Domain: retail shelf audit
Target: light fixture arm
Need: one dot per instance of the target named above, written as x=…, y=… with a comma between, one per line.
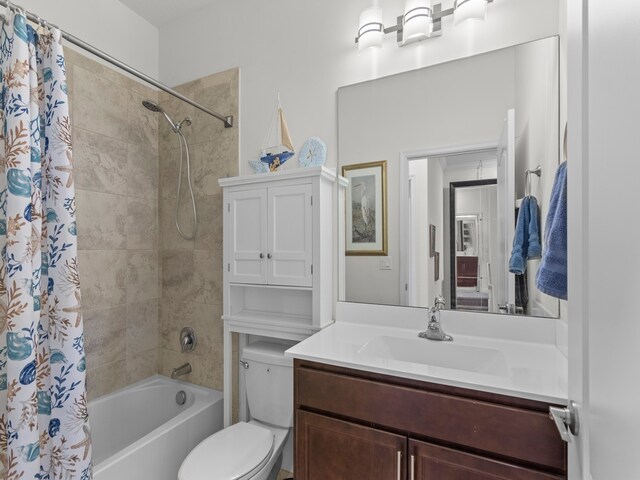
x=435, y=13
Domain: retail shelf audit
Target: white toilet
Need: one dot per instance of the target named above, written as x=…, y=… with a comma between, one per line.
x=251, y=450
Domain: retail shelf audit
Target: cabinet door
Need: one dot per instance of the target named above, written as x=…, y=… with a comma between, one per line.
x=246, y=224
x=330, y=449
x=290, y=230
x=429, y=462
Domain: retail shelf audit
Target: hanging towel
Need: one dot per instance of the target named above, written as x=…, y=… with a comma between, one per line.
x=534, y=249
x=552, y=274
x=518, y=260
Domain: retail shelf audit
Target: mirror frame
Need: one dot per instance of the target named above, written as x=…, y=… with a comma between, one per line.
x=452, y=228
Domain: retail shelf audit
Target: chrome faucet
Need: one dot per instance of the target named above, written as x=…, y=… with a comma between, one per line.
x=434, y=328
x=181, y=370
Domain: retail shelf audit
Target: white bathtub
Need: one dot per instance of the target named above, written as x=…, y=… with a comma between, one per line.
x=141, y=432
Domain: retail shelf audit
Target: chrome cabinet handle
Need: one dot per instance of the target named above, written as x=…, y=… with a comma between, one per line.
x=566, y=420
x=412, y=468
x=262, y=255
x=268, y=255
x=399, y=466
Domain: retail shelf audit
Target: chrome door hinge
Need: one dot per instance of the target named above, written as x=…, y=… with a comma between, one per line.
x=566, y=420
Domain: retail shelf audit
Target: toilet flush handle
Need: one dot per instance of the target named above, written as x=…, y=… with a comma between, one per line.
x=244, y=364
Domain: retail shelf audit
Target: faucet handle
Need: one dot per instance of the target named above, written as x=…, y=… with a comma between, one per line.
x=439, y=302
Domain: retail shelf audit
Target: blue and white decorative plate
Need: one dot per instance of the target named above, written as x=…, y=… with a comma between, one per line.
x=313, y=153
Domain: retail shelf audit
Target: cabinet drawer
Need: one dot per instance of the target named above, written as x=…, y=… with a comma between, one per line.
x=510, y=432
x=433, y=462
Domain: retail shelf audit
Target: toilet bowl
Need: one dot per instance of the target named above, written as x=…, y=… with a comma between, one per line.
x=251, y=450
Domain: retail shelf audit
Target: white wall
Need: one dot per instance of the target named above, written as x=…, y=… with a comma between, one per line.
x=107, y=25
x=306, y=50
x=420, y=191
x=537, y=134
x=436, y=217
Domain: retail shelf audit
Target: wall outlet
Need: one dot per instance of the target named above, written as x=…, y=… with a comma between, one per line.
x=385, y=263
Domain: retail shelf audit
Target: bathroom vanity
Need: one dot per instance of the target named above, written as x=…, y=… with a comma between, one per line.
x=375, y=401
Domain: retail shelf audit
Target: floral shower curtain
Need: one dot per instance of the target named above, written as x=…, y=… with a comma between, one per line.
x=44, y=429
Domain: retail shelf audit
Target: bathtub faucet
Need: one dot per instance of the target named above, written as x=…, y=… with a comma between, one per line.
x=181, y=370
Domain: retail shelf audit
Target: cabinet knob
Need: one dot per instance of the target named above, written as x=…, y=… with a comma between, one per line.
x=268, y=255
x=262, y=255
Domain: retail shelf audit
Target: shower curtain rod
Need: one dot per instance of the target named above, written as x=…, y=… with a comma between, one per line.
x=227, y=120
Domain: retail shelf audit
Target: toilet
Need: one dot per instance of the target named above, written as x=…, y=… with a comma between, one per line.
x=251, y=450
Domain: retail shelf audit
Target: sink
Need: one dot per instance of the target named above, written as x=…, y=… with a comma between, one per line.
x=437, y=354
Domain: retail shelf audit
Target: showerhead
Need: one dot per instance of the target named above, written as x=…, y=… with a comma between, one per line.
x=154, y=107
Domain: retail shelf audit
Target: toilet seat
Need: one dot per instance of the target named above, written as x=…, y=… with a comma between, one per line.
x=235, y=453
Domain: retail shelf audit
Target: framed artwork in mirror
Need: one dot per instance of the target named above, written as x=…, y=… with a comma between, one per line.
x=366, y=208
x=432, y=240
x=436, y=266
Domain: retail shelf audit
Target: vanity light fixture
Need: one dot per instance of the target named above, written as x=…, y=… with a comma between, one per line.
x=419, y=21
x=371, y=29
x=468, y=10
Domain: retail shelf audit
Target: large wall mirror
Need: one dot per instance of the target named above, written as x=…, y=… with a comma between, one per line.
x=463, y=142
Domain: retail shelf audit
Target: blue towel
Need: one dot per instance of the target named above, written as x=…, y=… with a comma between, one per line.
x=518, y=260
x=534, y=249
x=552, y=274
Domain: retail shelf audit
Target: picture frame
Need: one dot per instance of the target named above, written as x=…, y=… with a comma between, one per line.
x=366, y=208
x=432, y=240
x=436, y=266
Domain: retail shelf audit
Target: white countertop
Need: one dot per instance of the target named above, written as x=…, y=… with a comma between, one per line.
x=535, y=370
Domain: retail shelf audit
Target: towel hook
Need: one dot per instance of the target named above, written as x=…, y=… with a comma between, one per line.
x=536, y=171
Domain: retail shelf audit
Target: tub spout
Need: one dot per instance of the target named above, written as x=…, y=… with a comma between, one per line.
x=181, y=370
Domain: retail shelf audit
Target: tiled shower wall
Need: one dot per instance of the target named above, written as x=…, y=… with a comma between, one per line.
x=116, y=169
x=141, y=282
x=191, y=270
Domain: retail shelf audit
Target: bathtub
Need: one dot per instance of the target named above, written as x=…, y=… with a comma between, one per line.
x=141, y=433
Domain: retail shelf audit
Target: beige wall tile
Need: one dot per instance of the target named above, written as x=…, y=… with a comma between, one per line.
x=106, y=378
x=143, y=123
x=204, y=319
x=99, y=104
x=170, y=238
x=217, y=98
x=207, y=276
x=100, y=162
x=168, y=170
x=141, y=365
x=104, y=335
x=142, y=224
x=103, y=277
x=209, y=236
x=142, y=274
x=142, y=180
x=177, y=275
x=212, y=161
x=101, y=220
x=142, y=326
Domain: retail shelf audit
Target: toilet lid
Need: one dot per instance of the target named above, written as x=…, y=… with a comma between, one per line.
x=233, y=453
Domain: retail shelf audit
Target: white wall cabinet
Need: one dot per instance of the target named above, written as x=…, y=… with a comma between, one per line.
x=270, y=235
x=278, y=257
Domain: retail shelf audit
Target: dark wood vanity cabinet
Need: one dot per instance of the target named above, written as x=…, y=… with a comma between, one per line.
x=351, y=424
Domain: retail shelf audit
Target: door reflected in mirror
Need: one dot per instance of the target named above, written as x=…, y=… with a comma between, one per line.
x=459, y=138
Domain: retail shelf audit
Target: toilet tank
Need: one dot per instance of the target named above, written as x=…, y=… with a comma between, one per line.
x=269, y=383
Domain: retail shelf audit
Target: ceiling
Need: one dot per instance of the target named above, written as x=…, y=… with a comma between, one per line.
x=161, y=12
